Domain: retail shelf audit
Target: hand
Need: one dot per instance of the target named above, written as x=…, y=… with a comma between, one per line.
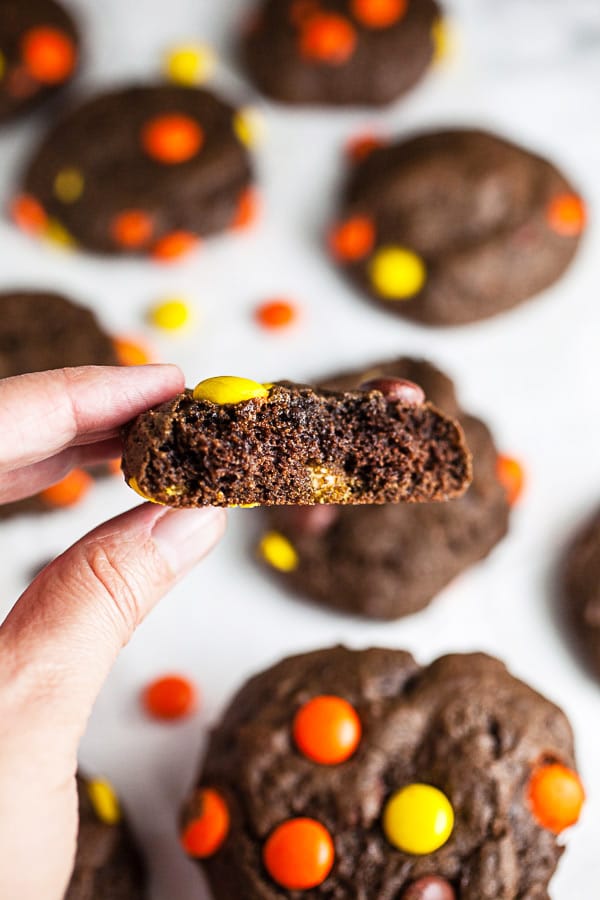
x=61, y=638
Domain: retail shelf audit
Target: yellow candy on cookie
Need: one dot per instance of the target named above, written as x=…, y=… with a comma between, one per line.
x=68, y=185
x=229, y=389
x=418, y=819
x=105, y=801
x=397, y=273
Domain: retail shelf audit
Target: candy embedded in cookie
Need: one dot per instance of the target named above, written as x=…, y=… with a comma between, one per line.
x=232, y=441
x=445, y=781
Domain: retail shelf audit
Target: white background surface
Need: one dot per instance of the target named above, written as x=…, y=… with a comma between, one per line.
x=528, y=68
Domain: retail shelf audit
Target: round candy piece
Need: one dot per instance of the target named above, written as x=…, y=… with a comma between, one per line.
x=172, y=314
x=131, y=352
x=556, y=796
x=247, y=210
x=105, y=801
x=361, y=146
x=170, y=697
x=509, y=473
x=567, y=215
x=327, y=730
x=248, y=124
x=68, y=185
x=70, y=491
x=274, y=314
x=230, y=389
x=29, y=215
x=327, y=38
x=172, y=139
x=431, y=887
x=353, y=239
x=379, y=13
x=418, y=819
x=397, y=273
x=278, y=552
x=190, y=64
x=299, y=854
x=399, y=389
x=132, y=228
x=174, y=245
x=207, y=831
x=49, y=54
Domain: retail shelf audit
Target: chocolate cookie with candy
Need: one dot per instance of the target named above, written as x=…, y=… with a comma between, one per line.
x=39, y=53
x=360, y=774
x=581, y=590
x=107, y=864
x=232, y=441
x=341, y=52
x=454, y=226
x=389, y=561
x=147, y=170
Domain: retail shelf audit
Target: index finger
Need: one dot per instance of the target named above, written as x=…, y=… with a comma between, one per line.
x=45, y=412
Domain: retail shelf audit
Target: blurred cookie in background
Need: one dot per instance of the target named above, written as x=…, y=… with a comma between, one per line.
x=581, y=591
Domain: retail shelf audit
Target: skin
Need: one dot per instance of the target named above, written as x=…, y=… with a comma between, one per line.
x=62, y=636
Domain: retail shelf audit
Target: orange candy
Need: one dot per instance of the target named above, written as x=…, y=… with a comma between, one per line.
x=114, y=466
x=174, y=245
x=510, y=474
x=205, y=833
x=247, y=211
x=567, y=215
x=360, y=147
x=132, y=228
x=131, y=353
x=299, y=854
x=28, y=214
x=171, y=697
x=276, y=314
x=327, y=38
x=353, y=239
x=556, y=796
x=327, y=730
x=172, y=138
x=69, y=491
x=379, y=13
x=49, y=54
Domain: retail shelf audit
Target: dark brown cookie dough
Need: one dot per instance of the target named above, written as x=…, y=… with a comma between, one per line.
x=463, y=725
x=39, y=50
x=107, y=865
x=581, y=588
x=140, y=170
x=341, y=52
x=454, y=226
x=236, y=442
x=391, y=560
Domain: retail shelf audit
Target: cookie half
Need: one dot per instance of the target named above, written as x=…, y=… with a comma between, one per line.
x=455, y=226
x=581, y=589
x=352, y=774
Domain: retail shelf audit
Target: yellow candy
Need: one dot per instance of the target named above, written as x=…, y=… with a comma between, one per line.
x=397, y=273
x=57, y=234
x=248, y=126
x=190, y=64
x=277, y=551
x=443, y=44
x=105, y=802
x=418, y=819
x=171, y=315
x=229, y=389
x=135, y=487
x=68, y=185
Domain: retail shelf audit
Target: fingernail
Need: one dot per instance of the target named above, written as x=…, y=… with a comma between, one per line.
x=184, y=536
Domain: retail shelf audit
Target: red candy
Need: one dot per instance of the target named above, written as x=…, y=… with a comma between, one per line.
x=206, y=832
x=172, y=139
x=28, y=214
x=327, y=38
x=132, y=228
x=299, y=854
x=169, y=698
x=327, y=730
x=379, y=13
x=49, y=54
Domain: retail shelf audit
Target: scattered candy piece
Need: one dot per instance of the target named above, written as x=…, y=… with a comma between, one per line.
x=29, y=215
x=400, y=389
x=397, y=273
x=70, y=491
x=247, y=210
x=509, y=473
x=172, y=139
x=57, y=234
x=275, y=314
x=299, y=854
x=131, y=352
x=359, y=147
x=327, y=730
x=556, y=796
x=327, y=38
x=567, y=215
x=104, y=800
x=207, y=829
x=442, y=40
x=431, y=887
x=248, y=124
x=132, y=228
x=171, y=697
x=229, y=389
x=278, y=552
x=49, y=54
x=190, y=64
x=418, y=819
x=68, y=185
x=172, y=314
x=379, y=13
x=353, y=239
x=174, y=245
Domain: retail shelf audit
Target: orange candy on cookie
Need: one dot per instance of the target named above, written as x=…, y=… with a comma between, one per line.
x=170, y=697
x=299, y=854
x=361, y=146
x=327, y=730
x=172, y=138
x=49, y=54
x=379, y=13
x=567, y=215
x=68, y=492
x=327, y=38
x=132, y=228
x=509, y=473
x=173, y=246
x=353, y=239
x=28, y=214
x=247, y=210
x=205, y=833
x=556, y=796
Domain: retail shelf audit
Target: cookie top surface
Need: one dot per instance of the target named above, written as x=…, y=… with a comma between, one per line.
x=139, y=170
x=454, y=226
x=42, y=331
x=582, y=590
x=39, y=51
x=341, y=52
x=233, y=441
x=462, y=726
x=390, y=560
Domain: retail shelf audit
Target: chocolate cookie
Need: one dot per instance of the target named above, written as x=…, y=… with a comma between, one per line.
x=582, y=590
x=107, y=865
x=360, y=775
x=140, y=170
x=391, y=560
x=39, y=52
x=455, y=226
x=237, y=442
x=341, y=52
